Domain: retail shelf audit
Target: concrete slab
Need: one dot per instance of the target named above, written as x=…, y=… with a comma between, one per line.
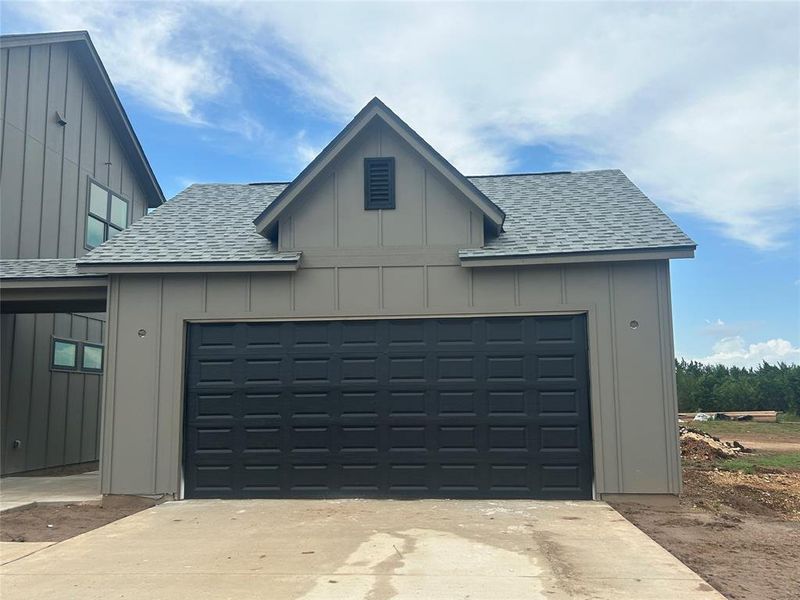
x=10, y=551
x=19, y=491
x=312, y=550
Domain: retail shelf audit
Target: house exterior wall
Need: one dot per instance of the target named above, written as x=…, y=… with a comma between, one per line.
x=632, y=386
x=44, y=173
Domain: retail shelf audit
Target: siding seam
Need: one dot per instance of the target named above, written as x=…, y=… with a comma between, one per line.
x=516, y=287
x=30, y=390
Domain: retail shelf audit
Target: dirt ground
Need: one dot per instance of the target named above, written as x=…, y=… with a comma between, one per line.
x=739, y=531
x=54, y=523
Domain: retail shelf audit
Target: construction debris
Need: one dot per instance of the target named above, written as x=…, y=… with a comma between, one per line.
x=697, y=446
x=762, y=416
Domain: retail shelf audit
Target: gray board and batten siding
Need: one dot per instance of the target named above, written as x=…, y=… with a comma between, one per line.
x=45, y=167
x=366, y=265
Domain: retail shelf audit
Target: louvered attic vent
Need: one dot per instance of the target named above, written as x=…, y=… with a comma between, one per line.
x=378, y=183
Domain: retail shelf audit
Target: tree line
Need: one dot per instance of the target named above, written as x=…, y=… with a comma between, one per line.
x=715, y=388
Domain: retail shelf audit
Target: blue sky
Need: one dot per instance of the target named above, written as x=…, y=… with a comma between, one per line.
x=697, y=103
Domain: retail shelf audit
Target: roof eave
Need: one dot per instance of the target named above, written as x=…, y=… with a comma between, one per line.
x=274, y=265
x=623, y=255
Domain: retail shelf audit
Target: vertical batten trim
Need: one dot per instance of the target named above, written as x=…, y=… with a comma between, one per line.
x=673, y=384
x=63, y=157
x=336, y=299
x=79, y=243
x=516, y=287
x=335, y=212
x=5, y=104
x=44, y=153
x=113, y=335
x=563, y=275
x=380, y=287
x=157, y=388
x=24, y=148
x=205, y=292
x=662, y=356
x=615, y=370
x=670, y=391
x=30, y=385
x=470, y=288
x=249, y=292
x=292, y=277
x=425, y=299
x=425, y=209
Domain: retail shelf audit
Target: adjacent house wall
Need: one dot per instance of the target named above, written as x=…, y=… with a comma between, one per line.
x=44, y=171
x=633, y=401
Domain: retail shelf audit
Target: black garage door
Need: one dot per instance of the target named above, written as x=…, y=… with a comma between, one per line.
x=461, y=408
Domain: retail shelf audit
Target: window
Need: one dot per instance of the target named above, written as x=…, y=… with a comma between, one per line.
x=65, y=355
x=106, y=216
x=72, y=355
x=378, y=183
x=92, y=357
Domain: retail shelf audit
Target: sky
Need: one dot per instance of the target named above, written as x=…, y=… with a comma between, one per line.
x=698, y=103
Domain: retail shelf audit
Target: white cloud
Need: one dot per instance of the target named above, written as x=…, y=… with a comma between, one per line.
x=733, y=351
x=305, y=151
x=146, y=48
x=697, y=102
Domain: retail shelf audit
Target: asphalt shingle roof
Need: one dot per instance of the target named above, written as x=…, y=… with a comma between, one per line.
x=39, y=268
x=210, y=222
x=592, y=211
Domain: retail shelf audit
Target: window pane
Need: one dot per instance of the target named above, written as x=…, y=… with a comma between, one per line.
x=112, y=231
x=64, y=354
x=95, y=232
x=119, y=211
x=98, y=201
x=92, y=358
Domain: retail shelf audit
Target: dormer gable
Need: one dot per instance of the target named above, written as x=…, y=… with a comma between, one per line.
x=379, y=172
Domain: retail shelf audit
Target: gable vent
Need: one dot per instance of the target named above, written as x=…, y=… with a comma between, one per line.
x=378, y=183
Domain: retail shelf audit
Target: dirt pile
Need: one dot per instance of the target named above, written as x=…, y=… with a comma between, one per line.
x=699, y=446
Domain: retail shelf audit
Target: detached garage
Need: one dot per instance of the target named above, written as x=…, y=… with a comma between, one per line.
x=383, y=326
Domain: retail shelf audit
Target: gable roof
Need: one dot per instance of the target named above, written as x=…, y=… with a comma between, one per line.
x=375, y=109
x=106, y=95
x=569, y=216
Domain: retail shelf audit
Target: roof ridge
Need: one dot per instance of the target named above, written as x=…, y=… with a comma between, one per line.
x=541, y=173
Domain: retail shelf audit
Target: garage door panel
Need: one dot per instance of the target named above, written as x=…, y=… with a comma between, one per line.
x=467, y=408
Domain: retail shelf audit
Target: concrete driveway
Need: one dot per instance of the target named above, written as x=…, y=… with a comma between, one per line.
x=353, y=549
